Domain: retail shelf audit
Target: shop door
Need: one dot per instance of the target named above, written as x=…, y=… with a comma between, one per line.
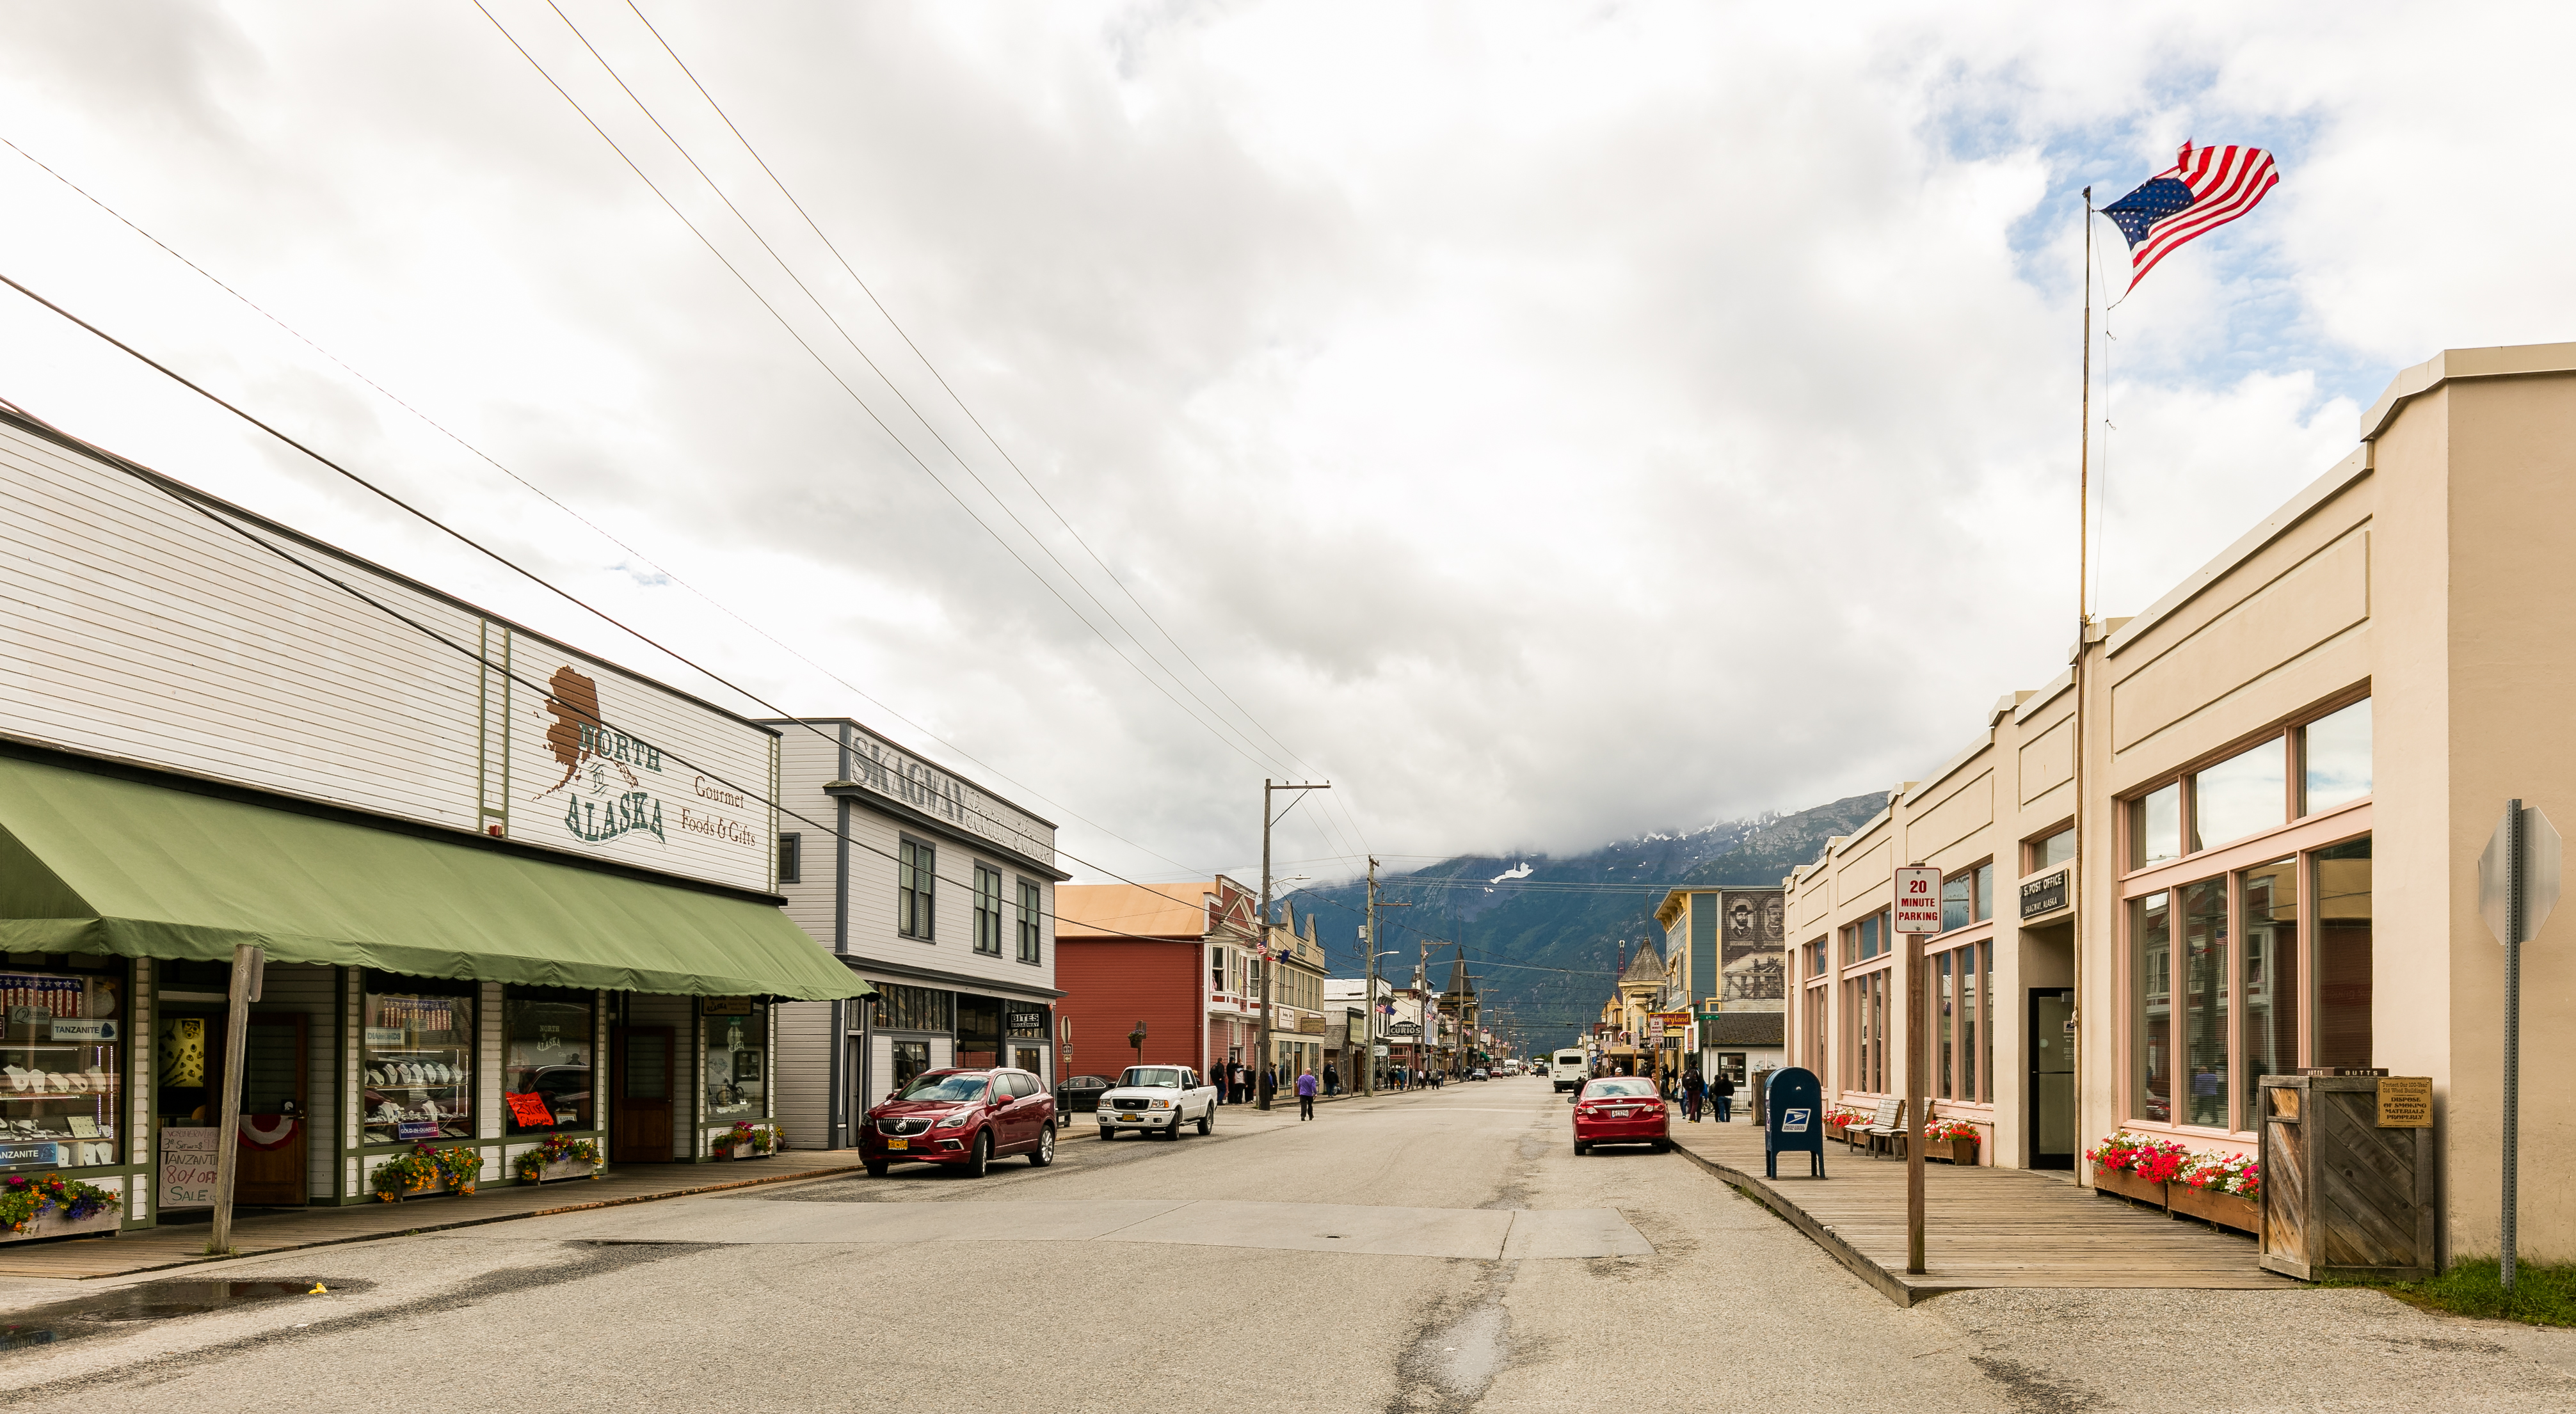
x=639, y=1131
x=269, y=1171
x=2052, y=1079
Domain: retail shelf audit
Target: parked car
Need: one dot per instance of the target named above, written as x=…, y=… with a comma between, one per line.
x=1621, y=1110
x=1157, y=1099
x=1080, y=1095
x=1478, y=1074
x=962, y=1118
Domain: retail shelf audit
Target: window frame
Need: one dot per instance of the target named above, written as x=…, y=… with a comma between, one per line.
x=2291, y=732
x=987, y=911
x=1032, y=921
x=916, y=889
x=791, y=857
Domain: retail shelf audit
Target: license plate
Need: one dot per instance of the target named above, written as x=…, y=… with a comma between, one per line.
x=1131, y=1119
x=898, y=1143
x=1618, y=1114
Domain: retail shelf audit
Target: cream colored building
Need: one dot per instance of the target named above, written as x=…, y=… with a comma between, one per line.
x=2379, y=646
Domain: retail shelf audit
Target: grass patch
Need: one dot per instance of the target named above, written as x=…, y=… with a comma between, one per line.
x=2543, y=1295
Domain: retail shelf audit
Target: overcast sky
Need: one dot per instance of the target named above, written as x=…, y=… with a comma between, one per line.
x=1549, y=423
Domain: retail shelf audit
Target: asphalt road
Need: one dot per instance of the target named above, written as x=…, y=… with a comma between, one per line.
x=1424, y=1252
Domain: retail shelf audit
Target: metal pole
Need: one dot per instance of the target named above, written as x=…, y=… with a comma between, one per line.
x=1261, y=1058
x=1368, y=999
x=2512, y=1037
x=2083, y=623
x=244, y=990
x=1917, y=1093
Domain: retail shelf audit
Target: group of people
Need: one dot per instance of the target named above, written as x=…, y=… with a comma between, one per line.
x=1696, y=1092
x=1405, y=1077
x=1236, y=1082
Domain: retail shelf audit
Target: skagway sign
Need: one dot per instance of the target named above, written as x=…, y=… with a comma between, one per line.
x=1404, y=1028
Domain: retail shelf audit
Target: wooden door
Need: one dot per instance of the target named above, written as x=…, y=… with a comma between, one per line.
x=639, y=1125
x=273, y=1100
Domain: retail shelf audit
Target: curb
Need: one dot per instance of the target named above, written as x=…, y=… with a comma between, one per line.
x=1880, y=1279
x=620, y=1202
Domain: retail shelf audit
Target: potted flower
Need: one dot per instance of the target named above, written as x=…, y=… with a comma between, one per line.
x=2219, y=1187
x=1951, y=1141
x=2135, y=1166
x=50, y=1205
x=428, y=1169
x=1837, y=1121
x=556, y=1156
x=734, y=1143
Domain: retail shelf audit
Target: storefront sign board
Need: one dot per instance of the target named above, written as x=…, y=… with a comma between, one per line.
x=416, y=1129
x=2405, y=1102
x=1918, y=900
x=188, y=1167
x=87, y=1031
x=2044, y=895
x=530, y=1109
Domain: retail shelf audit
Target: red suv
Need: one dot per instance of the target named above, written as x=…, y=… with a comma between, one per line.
x=965, y=1118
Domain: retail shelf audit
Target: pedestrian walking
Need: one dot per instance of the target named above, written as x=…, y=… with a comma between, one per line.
x=1269, y=1084
x=1306, y=1095
x=1332, y=1079
x=1725, y=1098
x=1692, y=1092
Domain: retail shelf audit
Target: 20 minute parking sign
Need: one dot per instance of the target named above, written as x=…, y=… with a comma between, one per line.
x=1918, y=900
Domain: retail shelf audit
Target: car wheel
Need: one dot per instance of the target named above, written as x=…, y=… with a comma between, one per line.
x=1044, y=1153
x=980, y=1157
x=1107, y=1134
x=877, y=1170
x=1207, y=1122
x=1170, y=1131
x=1581, y=1148
x=1663, y=1146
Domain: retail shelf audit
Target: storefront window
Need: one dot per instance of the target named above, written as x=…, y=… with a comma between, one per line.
x=902, y=1008
x=2343, y=952
x=2151, y=947
x=419, y=1060
x=911, y=1058
x=2155, y=827
x=979, y=1032
x=737, y=1047
x=2336, y=750
x=2245, y=794
x=2270, y=898
x=548, y=1045
x=2204, y=1000
x=59, y=1069
x=1946, y=1000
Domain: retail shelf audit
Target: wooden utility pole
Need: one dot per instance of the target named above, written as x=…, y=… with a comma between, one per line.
x=1262, y=1062
x=249, y=963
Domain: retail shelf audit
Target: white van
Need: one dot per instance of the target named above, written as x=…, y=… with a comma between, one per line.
x=1567, y=1070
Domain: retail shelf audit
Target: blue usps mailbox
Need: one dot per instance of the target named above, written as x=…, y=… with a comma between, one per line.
x=1794, y=1119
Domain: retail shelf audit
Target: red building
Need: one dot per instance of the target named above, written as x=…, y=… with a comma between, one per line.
x=1173, y=956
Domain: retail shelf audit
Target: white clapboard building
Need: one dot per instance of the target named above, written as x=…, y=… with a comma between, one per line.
x=513, y=899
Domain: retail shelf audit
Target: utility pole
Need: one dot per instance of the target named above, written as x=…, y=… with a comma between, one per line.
x=1368, y=944
x=1261, y=1063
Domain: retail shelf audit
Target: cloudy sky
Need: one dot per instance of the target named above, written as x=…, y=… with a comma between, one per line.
x=1549, y=423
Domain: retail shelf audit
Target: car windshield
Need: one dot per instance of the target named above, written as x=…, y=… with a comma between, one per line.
x=955, y=1088
x=1615, y=1089
x=1151, y=1077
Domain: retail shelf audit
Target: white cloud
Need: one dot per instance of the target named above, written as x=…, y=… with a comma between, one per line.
x=1550, y=422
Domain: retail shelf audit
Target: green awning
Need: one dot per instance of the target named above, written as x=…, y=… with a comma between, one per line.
x=98, y=864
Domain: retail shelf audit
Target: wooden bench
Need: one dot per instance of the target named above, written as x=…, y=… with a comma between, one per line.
x=1883, y=1122
x=1886, y=1130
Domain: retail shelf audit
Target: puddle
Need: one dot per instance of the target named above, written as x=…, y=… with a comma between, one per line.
x=152, y=1301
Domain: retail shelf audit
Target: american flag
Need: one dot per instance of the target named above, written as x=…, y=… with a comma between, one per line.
x=2206, y=188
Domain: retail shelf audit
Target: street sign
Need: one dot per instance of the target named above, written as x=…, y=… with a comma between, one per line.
x=2541, y=849
x=1918, y=900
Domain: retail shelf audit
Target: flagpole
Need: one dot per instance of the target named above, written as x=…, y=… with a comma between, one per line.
x=2083, y=624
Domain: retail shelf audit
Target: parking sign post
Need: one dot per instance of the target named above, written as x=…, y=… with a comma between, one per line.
x=1917, y=913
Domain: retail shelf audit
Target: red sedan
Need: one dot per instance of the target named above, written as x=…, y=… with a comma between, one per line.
x=963, y=1118
x=1620, y=1110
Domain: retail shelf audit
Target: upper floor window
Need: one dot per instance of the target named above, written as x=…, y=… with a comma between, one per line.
x=2050, y=850
x=1968, y=897
x=791, y=858
x=916, y=878
x=1866, y=939
x=2245, y=794
x=1032, y=921
x=988, y=911
x=2315, y=766
x=2335, y=750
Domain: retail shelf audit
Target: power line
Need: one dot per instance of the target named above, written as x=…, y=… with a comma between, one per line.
x=551, y=500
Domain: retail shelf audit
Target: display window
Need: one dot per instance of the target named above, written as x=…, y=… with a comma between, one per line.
x=737, y=1058
x=418, y=1059
x=548, y=1044
x=60, y=1055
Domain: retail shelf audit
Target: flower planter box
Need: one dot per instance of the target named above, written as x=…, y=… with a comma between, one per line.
x=2211, y=1206
x=2128, y=1185
x=1962, y=1152
x=732, y=1151
x=438, y=1189
x=566, y=1168
x=50, y=1222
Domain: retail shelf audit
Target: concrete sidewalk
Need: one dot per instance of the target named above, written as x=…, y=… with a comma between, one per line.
x=258, y=1231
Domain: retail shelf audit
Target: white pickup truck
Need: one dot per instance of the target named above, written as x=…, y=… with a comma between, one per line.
x=1157, y=1099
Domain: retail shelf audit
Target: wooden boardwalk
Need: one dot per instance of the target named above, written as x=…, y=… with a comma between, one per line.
x=260, y=1231
x=1983, y=1227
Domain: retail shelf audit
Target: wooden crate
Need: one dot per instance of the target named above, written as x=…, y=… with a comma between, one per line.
x=2343, y=1197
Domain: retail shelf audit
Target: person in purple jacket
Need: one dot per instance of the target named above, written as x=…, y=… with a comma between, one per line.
x=1305, y=1094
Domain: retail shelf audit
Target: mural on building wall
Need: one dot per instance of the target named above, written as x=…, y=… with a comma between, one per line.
x=1752, y=953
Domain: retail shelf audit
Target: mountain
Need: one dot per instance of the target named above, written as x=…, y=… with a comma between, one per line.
x=1544, y=934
